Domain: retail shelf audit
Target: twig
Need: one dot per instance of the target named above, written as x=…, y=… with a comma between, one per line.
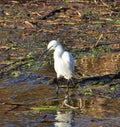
x=101, y=35
x=52, y=13
x=106, y=5
x=16, y=105
x=69, y=106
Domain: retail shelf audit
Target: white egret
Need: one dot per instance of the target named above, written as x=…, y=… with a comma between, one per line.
x=63, y=61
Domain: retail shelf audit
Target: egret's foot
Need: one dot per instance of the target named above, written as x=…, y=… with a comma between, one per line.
x=57, y=90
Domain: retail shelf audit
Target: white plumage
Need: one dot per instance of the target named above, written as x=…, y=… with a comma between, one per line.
x=63, y=60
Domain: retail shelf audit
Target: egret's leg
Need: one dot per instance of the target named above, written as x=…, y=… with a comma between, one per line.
x=68, y=82
x=73, y=84
x=57, y=89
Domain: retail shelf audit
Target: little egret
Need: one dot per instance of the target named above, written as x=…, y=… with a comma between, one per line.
x=63, y=61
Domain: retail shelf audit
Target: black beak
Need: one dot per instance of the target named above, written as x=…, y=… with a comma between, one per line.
x=44, y=52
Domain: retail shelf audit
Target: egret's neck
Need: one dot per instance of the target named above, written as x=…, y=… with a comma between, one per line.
x=58, y=51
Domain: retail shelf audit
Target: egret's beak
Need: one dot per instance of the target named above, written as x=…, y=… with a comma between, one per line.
x=44, y=52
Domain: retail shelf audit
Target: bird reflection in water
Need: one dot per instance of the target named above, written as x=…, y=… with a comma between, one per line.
x=64, y=119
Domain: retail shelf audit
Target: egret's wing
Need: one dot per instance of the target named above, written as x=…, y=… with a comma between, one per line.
x=69, y=60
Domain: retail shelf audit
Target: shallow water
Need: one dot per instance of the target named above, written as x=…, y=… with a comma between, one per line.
x=93, y=109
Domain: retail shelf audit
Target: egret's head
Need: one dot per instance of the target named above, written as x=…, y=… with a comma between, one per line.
x=53, y=44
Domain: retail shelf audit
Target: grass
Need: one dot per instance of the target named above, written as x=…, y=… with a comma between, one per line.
x=51, y=108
